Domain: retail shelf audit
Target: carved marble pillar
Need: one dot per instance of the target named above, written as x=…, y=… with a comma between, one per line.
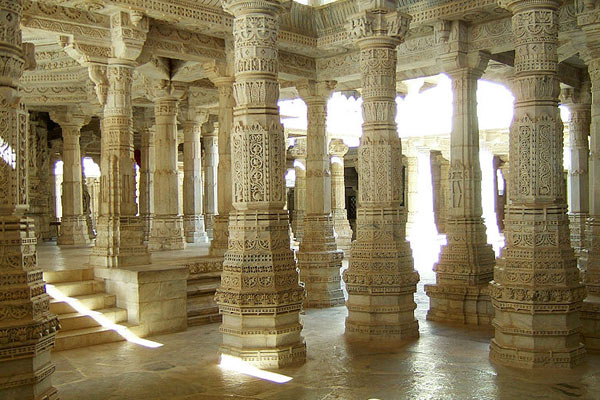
x=193, y=220
x=579, y=103
x=54, y=155
x=120, y=238
x=337, y=150
x=211, y=160
x=299, y=154
x=380, y=280
x=27, y=327
x=260, y=297
x=536, y=291
x=466, y=264
x=224, y=84
x=166, y=232
x=589, y=21
x=38, y=184
x=319, y=260
x=73, y=224
x=146, y=200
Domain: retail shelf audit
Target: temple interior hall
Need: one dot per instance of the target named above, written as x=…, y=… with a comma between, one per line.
x=311, y=199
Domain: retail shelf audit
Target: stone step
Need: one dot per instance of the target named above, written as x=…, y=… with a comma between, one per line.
x=73, y=339
x=203, y=316
x=69, y=275
x=202, y=287
x=94, y=301
x=89, y=286
x=74, y=321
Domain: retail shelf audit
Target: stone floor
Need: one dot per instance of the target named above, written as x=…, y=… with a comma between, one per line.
x=447, y=362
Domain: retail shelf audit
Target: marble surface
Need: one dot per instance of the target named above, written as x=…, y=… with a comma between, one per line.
x=446, y=362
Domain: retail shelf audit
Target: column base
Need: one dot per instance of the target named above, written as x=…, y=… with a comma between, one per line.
x=209, y=224
x=378, y=332
x=166, y=233
x=319, y=263
x=193, y=227
x=461, y=304
x=298, y=224
x=577, y=229
x=146, y=220
x=219, y=243
x=280, y=357
x=119, y=243
x=590, y=319
x=532, y=359
x=590, y=256
x=73, y=231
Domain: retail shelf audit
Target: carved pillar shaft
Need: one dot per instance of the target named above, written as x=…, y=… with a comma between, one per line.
x=338, y=149
x=167, y=224
x=578, y=102
x=211, y=159
x=299, y=199
x=193, y=220
x=73, y=226
x=467, y=260
x=381, y=279
x=536, y=291
x=319, y=260
x=218, y=245
x=27, y=327
x=120, y=233
x=260, y=297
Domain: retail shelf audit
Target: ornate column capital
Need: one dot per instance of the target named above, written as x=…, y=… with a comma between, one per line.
x=167, y=90
x=573, y=97
x=128, y=33
x=70, y=118
x=242, y=7
x=338, y=148
x=515, y=6
x=457, y=62
x=315, y=91
x=298, y=151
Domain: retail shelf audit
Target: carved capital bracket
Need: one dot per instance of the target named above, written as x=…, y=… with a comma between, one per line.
x=315, y=91
x=581, y=96
x=241, y=7
x=71, y=119
x=381, y=24
x=128, y=34
x=475, y=62
x=166, y=89
x=298, y=151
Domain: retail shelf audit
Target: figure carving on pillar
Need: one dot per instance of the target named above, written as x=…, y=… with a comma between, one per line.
x=319, y=260
x=536, y=292
x=27, y=327
x=260, y=297
x=337, y=150
x=381, y=279
x=73, y=224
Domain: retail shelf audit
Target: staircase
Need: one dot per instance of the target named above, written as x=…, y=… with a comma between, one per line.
x=201, y=306
x=78, y=328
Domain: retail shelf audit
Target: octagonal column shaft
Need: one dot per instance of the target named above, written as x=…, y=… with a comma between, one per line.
x=380, y=280
x=299, y=154
x=536, y=292
x=27, y=327
x=211, y=160
x=167, y=224
x=260, y=297
x=319, y=260
x=73, y=226
x=193, y=219
x=466, y=264
x=343, y=240
x=120, y=237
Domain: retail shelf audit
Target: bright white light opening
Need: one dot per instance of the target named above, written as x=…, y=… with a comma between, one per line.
x=8, y=154
x=298, y=164
x=101, y=319
x=235, y=364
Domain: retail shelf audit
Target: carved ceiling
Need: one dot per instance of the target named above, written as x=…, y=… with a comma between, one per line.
x=183, y=35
